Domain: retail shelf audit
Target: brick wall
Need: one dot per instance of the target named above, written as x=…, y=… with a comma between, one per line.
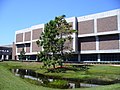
x=107, y=24
x=86, y=27
x=27, y=36
x=36, y=33
x=87, y=43
x=109, y=42
x=19, y=37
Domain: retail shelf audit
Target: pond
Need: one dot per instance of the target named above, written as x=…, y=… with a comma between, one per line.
x=46, y=80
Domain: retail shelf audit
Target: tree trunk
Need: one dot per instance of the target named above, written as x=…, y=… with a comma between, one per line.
x=54, y=66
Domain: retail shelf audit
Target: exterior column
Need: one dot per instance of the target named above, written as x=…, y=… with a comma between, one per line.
x=17, y=57
x=14, y=51
x=7, y=57
x=26, y=58
x=119, y=41
x=75, y=48
x=118, y=18
x=31, y=41
x=2, y=57
x=78, y=57
x=98, y=57
x=66, y=60
x=97, y=43
x=36, y=58
x=95, y=25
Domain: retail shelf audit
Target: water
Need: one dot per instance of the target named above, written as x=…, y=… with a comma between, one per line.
x=24, y=73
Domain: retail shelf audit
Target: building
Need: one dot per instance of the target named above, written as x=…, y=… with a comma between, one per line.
x=5, y=52
x=97, y=38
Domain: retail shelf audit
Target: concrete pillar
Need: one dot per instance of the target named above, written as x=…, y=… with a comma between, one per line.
x=17, y=57
x=78, y=57
x=75, y=41
x=26, y=58
x=119, y=41
x=97, y=43
x=36, y=58
x=66, y=60
x=95, y=25
x=98, y=57
x=7, y=57
x=14, y=52
x=17, y=70
x=2, y=57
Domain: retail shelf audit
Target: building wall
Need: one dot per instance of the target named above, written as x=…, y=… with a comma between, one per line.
x=27, y=46
x=36, y=33
x=107, y=24
x=68, y=45
x=88, y=43
x=105, y=28
x=109, y=42
x=86, y=27
x=28, y=36
x=19, y=37
x=20, y=47
x=96, y=34
x=13, y=51
x=35, y=48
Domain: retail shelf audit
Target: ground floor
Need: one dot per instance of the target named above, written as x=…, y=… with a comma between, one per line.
x=104, y=57
x=5, y=57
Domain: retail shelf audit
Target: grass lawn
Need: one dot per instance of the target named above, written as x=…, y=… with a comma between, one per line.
x=9, y=81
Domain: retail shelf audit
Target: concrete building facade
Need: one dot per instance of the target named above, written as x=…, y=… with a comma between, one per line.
x=97, y=38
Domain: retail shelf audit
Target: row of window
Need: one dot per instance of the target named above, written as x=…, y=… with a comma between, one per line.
x=103, y=57
x=90, y=57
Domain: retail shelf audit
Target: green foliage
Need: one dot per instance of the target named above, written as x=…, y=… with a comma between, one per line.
x=62, y=69
x=53, y=42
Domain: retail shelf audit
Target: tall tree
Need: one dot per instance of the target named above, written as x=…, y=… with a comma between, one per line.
x=65, y=31
x=49, y=41
x=52, y=41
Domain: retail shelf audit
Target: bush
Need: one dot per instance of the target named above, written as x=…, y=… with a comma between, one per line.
x=62, y=84
x=57, y=70
x=63, y=69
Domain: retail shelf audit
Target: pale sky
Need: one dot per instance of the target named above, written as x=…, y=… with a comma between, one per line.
x=19, y=14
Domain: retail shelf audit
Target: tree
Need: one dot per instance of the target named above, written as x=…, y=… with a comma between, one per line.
x=22, y=54
x=64, y=29
x=49, y=42
x=52, y=41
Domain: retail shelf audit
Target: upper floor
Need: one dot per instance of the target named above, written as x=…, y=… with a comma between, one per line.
x=94, y=26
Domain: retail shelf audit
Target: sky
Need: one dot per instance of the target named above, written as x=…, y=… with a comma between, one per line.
x=19, y=14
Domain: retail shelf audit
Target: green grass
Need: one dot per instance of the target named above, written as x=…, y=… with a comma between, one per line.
x=102, y=69
x=9, y=81
x=100, y=72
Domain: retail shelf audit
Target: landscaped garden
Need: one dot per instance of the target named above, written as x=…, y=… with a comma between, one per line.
x=95, y=77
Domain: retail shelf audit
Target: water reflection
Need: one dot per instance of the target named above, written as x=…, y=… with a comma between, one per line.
x=24, y=73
